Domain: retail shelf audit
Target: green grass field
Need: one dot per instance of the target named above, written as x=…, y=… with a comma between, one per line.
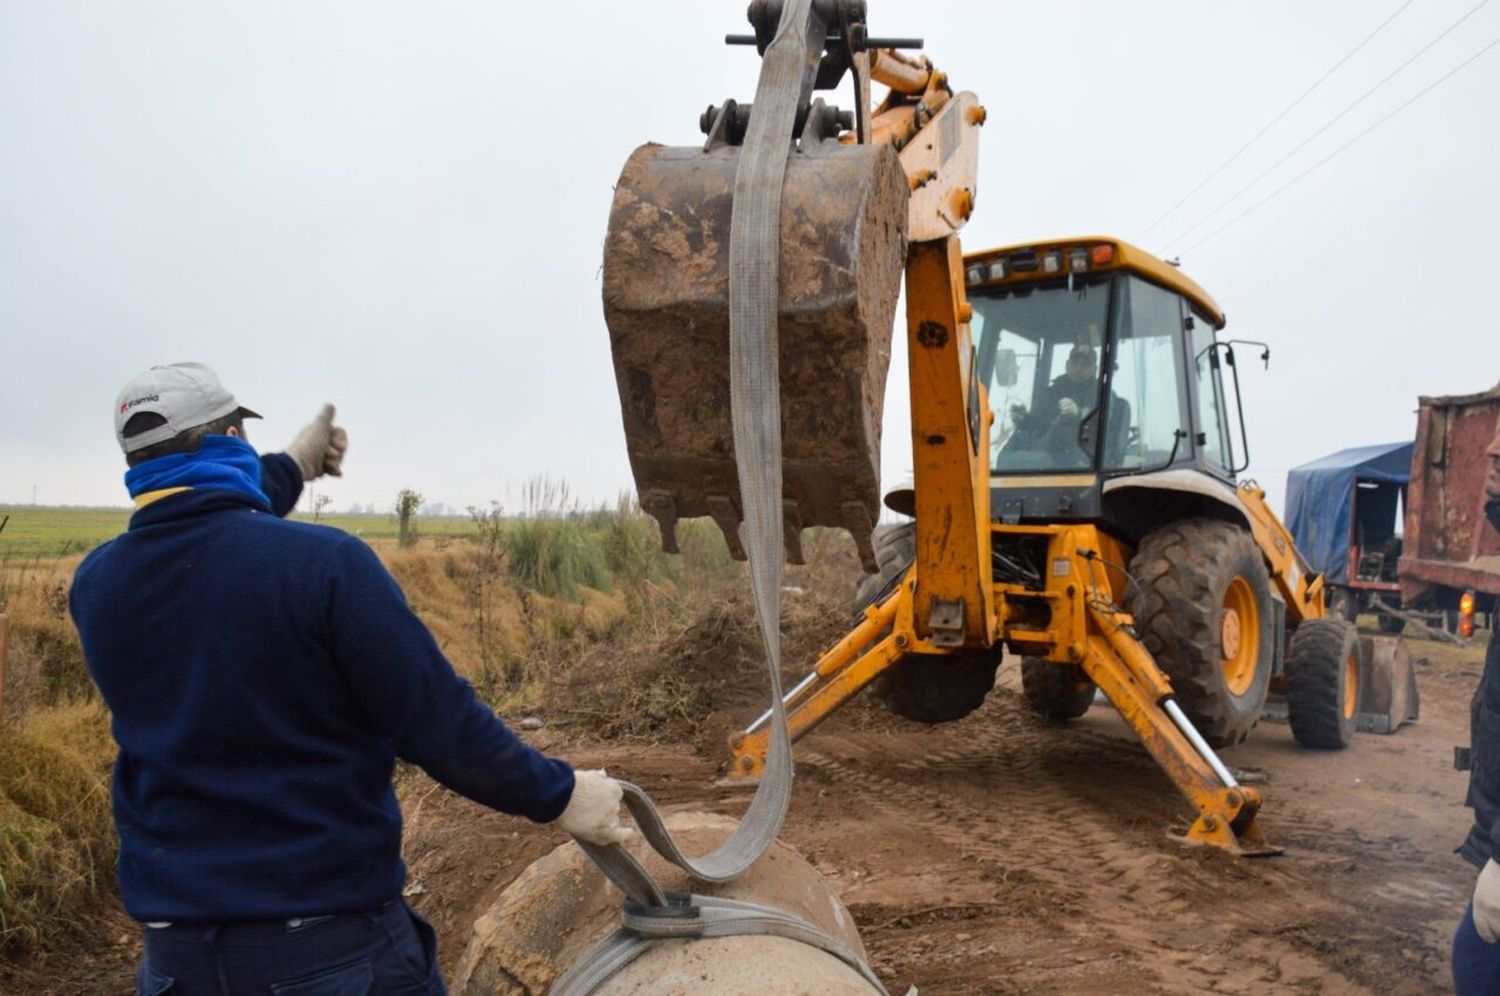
x=384, y=526
x=42, y=531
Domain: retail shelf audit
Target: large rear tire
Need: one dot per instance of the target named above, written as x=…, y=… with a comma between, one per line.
x=1322, y=683
x=1057, y=691
x=927, y=688
x=1203, y=609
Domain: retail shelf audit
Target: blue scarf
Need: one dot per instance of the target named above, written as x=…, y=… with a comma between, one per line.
x=222, y=463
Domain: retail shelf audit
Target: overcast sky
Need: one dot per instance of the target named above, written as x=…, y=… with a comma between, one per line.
x=400, y=208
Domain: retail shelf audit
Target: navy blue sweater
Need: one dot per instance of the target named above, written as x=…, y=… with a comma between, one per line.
x=263, y=677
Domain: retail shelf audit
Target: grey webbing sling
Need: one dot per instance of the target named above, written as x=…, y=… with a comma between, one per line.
x=787, y=70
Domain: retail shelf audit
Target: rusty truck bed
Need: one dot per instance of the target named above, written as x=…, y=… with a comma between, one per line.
x=1448, y=546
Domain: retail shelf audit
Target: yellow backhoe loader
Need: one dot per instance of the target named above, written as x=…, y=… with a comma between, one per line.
x=1074, y=499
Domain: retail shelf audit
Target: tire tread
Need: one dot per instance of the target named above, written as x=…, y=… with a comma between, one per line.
x=1315, y=683
x=1176, y=604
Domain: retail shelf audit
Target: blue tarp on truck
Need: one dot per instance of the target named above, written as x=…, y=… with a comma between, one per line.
x=1320, y=501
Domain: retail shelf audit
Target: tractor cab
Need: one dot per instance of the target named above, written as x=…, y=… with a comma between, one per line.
x=1103, y=372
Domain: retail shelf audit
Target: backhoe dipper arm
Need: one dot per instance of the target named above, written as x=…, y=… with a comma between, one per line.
x=936, y=133
x=950, y=426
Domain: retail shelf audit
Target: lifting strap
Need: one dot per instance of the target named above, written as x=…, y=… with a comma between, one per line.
x=694, y=917
x=787, y=70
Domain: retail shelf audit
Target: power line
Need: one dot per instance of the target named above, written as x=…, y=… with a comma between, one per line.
x=1281, y=189
x=1326, y=125
x=1272, y=123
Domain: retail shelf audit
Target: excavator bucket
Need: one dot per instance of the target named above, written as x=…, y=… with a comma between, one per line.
x=1388, y=685
x=666, y=296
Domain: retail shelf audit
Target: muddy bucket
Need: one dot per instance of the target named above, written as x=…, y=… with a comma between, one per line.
x=561, y=906
x=666, y=284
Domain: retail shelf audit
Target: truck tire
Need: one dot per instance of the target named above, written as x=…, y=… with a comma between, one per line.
x=1322, y=683
x=1202, y=606
x=1057, y=691
x=926, y=688
x=1390, y=624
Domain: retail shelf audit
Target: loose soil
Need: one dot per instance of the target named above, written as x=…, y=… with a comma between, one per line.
x=1004, y=854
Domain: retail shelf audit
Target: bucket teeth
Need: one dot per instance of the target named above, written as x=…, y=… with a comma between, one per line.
x=861, y=525
x=660, y=506
x=721, y=507
x=791, y=528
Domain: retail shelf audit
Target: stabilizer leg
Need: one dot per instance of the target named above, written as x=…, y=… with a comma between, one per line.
x=1125, y=672
x=838, y=677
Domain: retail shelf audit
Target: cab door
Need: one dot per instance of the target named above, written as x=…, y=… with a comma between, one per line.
x=1210, y=406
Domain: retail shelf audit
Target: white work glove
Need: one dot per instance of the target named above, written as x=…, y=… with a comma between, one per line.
x=1068, y=406
x=1487, y=902
x=319, y=447
x=593, y=812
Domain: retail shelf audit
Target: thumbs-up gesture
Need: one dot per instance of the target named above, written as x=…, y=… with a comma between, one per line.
x=319, y=447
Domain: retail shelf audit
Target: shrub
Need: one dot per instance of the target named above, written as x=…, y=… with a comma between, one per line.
x=704, y=552
x=549, y=549
x=632, y=544
x=555, y=557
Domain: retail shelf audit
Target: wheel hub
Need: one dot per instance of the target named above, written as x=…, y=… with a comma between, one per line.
x=1229, y=635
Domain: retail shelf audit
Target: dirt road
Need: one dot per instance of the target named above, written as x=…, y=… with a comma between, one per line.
x=1000, y=854
x=1003, y=855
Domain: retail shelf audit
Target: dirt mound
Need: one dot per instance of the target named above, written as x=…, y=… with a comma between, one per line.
x=702, y=673
x=687, y=685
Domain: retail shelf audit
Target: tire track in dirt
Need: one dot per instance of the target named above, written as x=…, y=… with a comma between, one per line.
x=1051, y=870
x=999, y=790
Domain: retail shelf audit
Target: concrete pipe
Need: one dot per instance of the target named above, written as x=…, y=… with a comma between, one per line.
x=560, y=906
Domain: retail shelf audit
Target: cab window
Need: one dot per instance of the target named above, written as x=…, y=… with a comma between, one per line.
x=1039, y=350
x=1213, y=420
x=1146, y=417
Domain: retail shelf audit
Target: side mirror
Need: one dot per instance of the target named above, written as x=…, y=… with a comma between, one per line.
x=1007, y=369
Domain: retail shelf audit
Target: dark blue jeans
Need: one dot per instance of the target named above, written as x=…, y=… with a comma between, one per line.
x=1476, y=965
x=390, y=951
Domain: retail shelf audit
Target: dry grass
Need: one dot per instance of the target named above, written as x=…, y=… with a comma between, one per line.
x=496, y=633
x=45, y=664
x=57, y=841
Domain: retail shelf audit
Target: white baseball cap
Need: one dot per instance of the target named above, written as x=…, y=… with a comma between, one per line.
x=187, y=395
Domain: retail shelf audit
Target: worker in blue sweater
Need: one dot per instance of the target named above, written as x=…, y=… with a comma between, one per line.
x=263, y=677
x=1476, y=943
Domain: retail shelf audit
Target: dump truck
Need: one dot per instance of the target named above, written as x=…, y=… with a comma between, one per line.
x=1075, y=437
x=1449, y=551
